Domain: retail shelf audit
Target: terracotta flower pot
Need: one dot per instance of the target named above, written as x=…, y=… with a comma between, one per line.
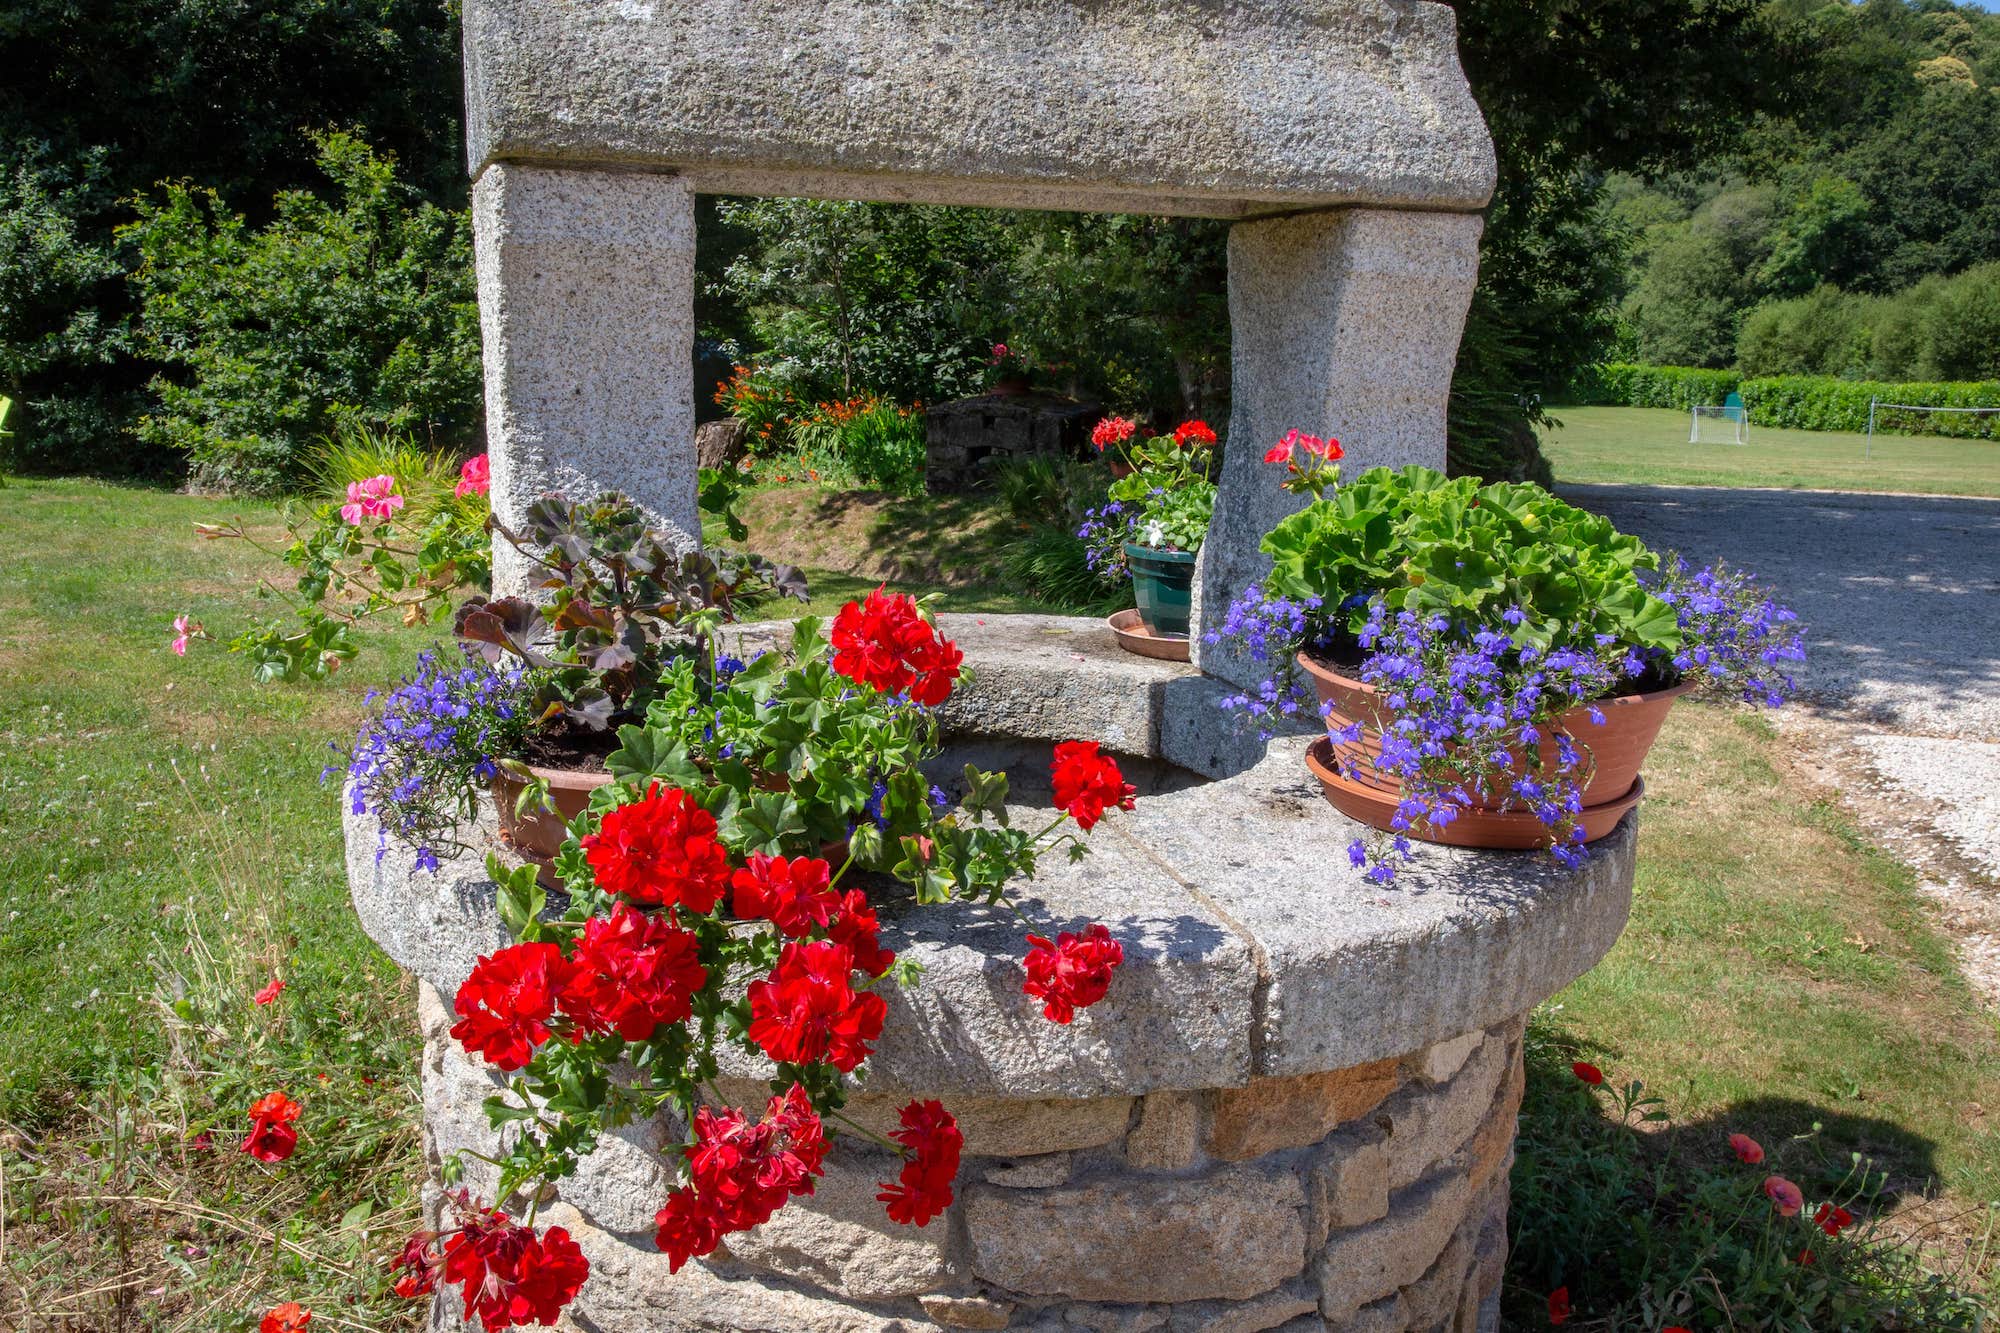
x=1616, y=749
x=1493, y=830
x=538, y=835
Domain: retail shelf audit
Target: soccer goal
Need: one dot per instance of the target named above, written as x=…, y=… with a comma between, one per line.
x=1728, y=424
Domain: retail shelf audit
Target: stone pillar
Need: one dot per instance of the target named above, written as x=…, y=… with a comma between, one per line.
x=1344, y=324
x=586, y=310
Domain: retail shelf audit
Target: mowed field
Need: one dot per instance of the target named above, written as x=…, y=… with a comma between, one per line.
x=1649, y=447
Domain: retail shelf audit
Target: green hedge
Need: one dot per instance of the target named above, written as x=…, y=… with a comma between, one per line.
x=1799, y=402
x=1813, y=402
x=1622, y=384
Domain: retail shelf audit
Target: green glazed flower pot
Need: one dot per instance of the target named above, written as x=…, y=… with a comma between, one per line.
x=1163, y=583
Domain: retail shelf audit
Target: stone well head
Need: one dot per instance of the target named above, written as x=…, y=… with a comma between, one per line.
x=1296, y=1107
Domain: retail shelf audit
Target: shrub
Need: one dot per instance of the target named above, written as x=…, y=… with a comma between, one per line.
x=1624, y=384
x=1803, y=402
x=1825, y=333
x=354, y=310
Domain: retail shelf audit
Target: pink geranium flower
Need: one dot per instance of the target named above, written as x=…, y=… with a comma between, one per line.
x=475, y=478
x=373, y=498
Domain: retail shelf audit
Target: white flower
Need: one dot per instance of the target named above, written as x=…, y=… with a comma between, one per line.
x=1154, y=533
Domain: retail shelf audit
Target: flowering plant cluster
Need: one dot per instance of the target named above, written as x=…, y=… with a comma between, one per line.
x=1009, y=364
x=377, y=552
x=728, y=886
x=1491, y=621
x=1164, y=499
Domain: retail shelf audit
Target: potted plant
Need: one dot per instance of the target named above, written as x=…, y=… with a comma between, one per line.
x=534, y=711
x=1155, y=519
x=1492, y=663
x=701, y=909
x=1010, y=373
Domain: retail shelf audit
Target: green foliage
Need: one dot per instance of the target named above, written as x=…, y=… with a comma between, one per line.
x=1623, y=384
x=1647, y=1226
x=1944, y=328
x=1816, y=403
x=1048, y=497
x=868, y=442
x=1167, y=493
x=1430, y=544
x=356, y=310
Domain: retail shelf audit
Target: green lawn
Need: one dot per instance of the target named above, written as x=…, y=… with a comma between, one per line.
x=1649, y=446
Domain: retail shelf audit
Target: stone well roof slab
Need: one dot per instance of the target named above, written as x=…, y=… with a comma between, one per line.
x=1153, y=106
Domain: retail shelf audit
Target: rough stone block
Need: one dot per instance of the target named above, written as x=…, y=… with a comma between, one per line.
x=1168, y=1133
x=968, y=1311
x=1274, y=1309
x=1427, y=1125
x=1486, y=1153
x=1434, y=1298
x=1115, y=1318
x=964, y=103
x=1349, y=1181
x=1032, y=1172
x=1275, y=1113
x=1230, y=1235
x=1345, y=325
x=1368, y=1263
x=994, y=1127
x=625, y=1182
x=1438, y=1062
x=839, y=1239
x=586, y=314
x=1387, y=1315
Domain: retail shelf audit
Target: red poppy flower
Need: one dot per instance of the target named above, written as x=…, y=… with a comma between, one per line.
x=1785, y=1196
x=420, y=1263
x=633, y=974
x=1588, y=1072
x=1748, y=1150
x=505, y=1006
x=271, y=1137
x=1833, y=1219
x=1559, y=1306
x=791, y=894
x=884, y=642
x=1195, y=433
x=857, y=928
x=202, y=1142
x=270, y=991
x=1110, y=431
x=1806, y=1259
x=807, y=1010
x=291, y=1317
x=923, y=1188
x=661, y=849
x=1088, y=783
x=1073, y=973
x=511, y=1276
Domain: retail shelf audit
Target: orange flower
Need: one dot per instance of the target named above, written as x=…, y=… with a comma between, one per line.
x=291, y=1317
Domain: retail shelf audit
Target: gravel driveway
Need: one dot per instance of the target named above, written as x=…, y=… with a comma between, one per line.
x=1900, y=595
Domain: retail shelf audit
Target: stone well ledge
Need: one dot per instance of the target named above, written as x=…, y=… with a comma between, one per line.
x=1154, y=106
x=1253, y=949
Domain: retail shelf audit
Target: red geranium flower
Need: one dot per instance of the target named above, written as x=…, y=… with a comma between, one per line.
x=633, y=973
x=271, y=1137
x=807, y=1010
x=510, y=1275
x=857, y=928
x=505, y=1006
x=1193, y=432
x=1588, y=1072
x=923, y=1189
x=1785, y=1196
x=1559, y=1306
x=291, y=1317
x=1073, y=973
x=475, y=477
x=741, y=1173
x=270, y=991
x=884, y=642
x=420, y=1263
x=1833, y=1219
x=661, y=849
x=792, y=895
x=1298, y=441
x=1088, y=783
x=1110, y=431
x=1748, y=1150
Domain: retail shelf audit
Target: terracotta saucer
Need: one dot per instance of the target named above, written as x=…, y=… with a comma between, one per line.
x=1134, y=637
x=1497, y=829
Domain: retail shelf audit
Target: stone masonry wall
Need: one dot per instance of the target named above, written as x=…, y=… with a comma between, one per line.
x=1371, y=1198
